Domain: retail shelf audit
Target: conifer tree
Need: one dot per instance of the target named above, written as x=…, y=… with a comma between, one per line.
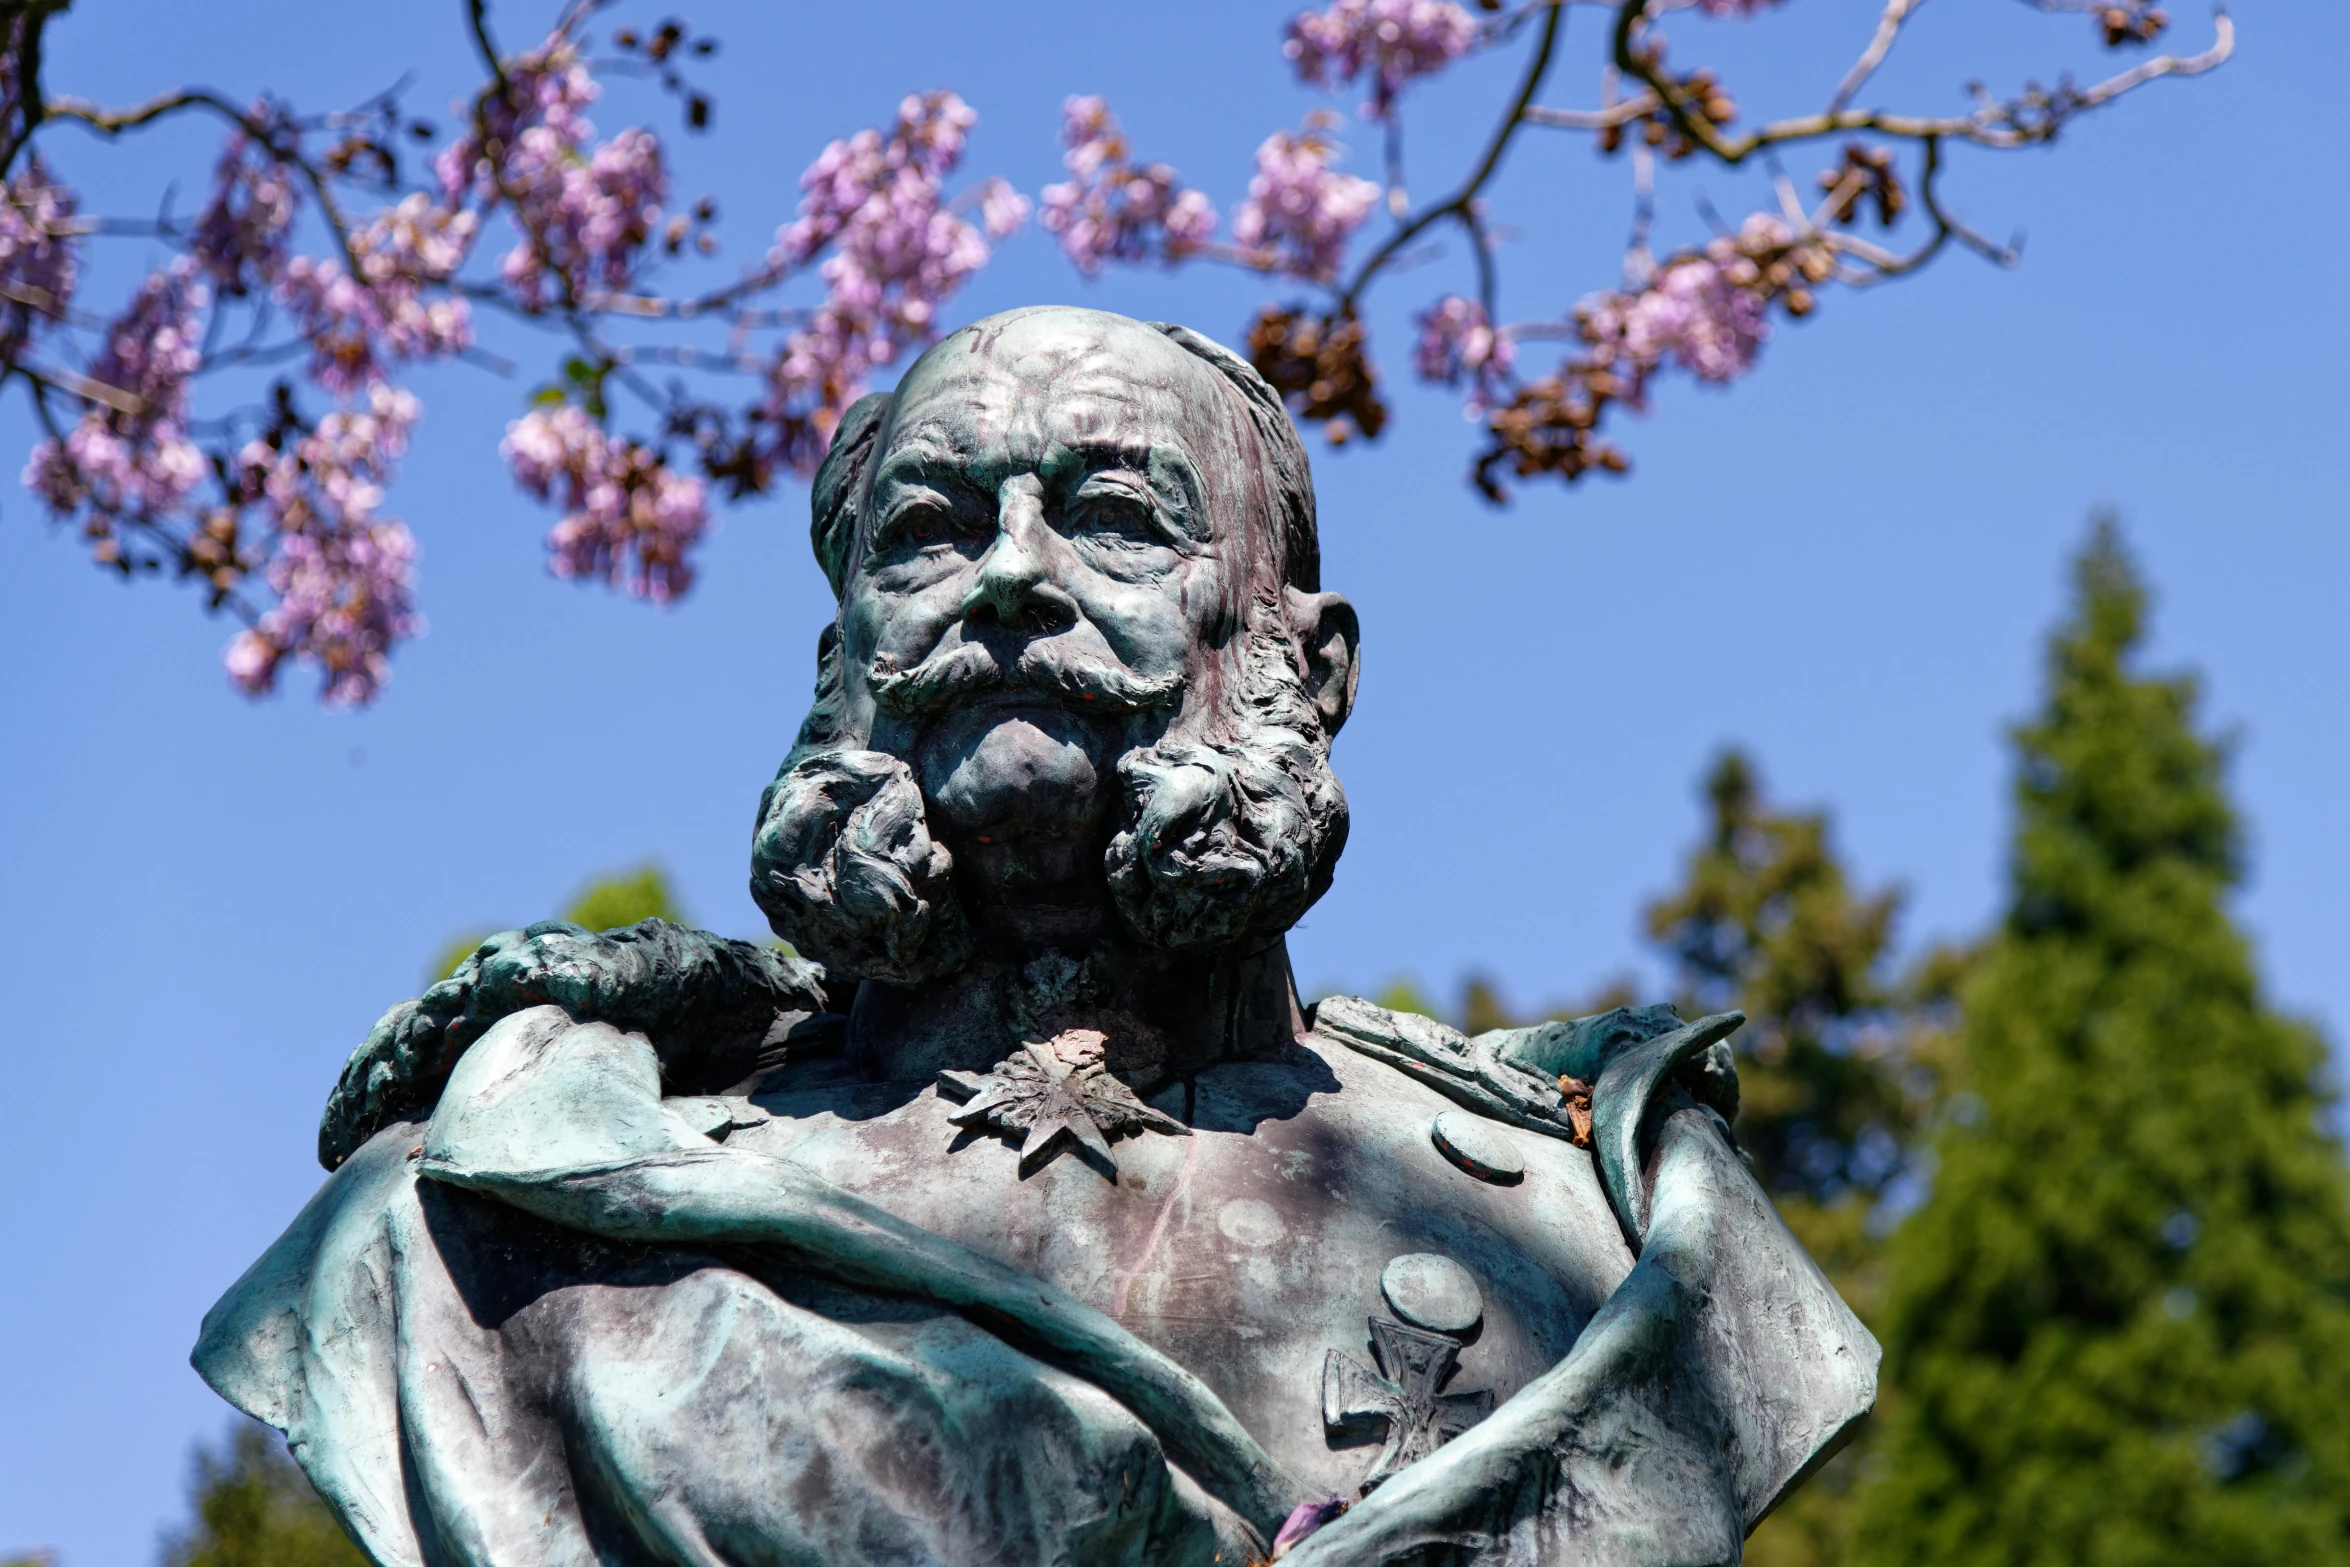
x=1836, y=1066
x=1767, y=920
x=2119, y=1329
x=254, y=1508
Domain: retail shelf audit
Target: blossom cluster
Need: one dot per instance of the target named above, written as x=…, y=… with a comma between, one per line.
x=1691, y=312
x=629, y=518
x=341, y=573
x=243, y=234
x=1114, y=209
x=357, y=326
x=1458, y=343
x=1300, y=211
x=1391, y=41
x=899, y=251
x=585, y=211
x=37, y=255
x=1708, y=311
x=129, y=456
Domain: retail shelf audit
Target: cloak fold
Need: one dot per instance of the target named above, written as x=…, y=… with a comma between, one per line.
x=549, y=1326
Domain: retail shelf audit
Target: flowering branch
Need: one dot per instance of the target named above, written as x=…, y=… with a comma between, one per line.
x=274, y=505
x=276, y=508
x=1705, y=309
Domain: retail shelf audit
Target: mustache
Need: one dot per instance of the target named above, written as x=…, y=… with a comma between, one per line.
x=969, y=669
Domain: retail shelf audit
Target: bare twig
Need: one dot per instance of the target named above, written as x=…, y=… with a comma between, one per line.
x=2035, y=119
x=1623, y=113
x=77, y=385
x=1888, y=29
x=111, y=123
x=1460, y=206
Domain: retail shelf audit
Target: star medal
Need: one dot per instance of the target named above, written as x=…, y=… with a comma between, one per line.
x=1055, y=1094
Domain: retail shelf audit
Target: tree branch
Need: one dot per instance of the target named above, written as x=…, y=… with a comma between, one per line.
x=1888, y=29
x=1997, y=125
x=1458, y=206
x=111, y=123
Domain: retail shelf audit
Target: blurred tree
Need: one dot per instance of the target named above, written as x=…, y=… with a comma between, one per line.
x=254, y=1508
x=1403, y=994
x=605, y=903
x=1766, y=920
x=1837, y=1068
x=2119, y=1330
x=623, y=898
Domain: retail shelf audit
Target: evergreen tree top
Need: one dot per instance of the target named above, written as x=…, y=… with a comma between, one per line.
x=2119, y=1330
x=2115, y=788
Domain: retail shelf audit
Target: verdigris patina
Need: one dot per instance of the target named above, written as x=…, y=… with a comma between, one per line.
x=1040, y=1224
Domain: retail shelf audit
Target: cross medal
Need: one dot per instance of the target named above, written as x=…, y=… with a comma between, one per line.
x=1402, y=1394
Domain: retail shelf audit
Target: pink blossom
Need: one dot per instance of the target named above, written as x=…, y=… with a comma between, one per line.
x=586, y=211
x=1300, y=213
x=1694, y=311
x=1001, y=208
x=241, y=236
x=134, y=461
x=343, y=575
x=1392, y=41
x=1456, y=341
x=629, y=517
x=549, y=87
x=586, y=216
x=37, y=256
x=898, y=253
x=355, y=326
x=1116, y=210
x=1727, y=8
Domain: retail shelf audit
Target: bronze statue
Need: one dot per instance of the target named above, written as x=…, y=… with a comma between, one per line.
x=1040, y=1223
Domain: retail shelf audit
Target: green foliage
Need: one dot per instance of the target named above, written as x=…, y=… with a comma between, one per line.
x=1836, y=1065
x=605, y=903
x=1766, y=920
x=2119, y=1330
x=1403, y=994
x=254, y=1508
x=609, y=902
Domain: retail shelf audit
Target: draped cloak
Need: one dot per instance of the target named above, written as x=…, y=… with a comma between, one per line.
x=562, y=1322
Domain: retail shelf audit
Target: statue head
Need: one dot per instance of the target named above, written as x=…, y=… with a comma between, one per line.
x=1083, y=680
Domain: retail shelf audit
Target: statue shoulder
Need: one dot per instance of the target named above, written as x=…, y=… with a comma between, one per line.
x=1539, y=1078
x=710, y=1005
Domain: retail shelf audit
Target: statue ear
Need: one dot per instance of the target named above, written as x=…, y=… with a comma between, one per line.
x=1329, y=636
x=839, y=489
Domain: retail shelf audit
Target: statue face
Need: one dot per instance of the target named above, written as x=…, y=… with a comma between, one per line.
x=1041, y=570
x=1073, y=689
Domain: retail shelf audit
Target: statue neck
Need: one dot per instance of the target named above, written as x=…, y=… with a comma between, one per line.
x=1163, y=1015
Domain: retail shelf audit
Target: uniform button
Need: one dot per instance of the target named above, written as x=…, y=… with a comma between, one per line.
x=1433, y=1292
x=1476, y=1145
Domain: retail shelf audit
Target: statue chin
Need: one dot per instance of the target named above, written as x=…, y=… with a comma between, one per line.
x=1008, y=772
x=1025, y=794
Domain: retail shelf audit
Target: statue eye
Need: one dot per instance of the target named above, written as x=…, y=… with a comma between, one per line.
x=925, y=523
x=1114, y=510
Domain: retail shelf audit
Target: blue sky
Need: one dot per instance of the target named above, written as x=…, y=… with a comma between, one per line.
x=1845, y=563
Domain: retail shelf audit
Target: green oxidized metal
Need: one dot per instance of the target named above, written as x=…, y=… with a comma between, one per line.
x=1035, y=1220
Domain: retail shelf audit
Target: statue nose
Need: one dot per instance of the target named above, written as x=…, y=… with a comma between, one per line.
x=1014, y=586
